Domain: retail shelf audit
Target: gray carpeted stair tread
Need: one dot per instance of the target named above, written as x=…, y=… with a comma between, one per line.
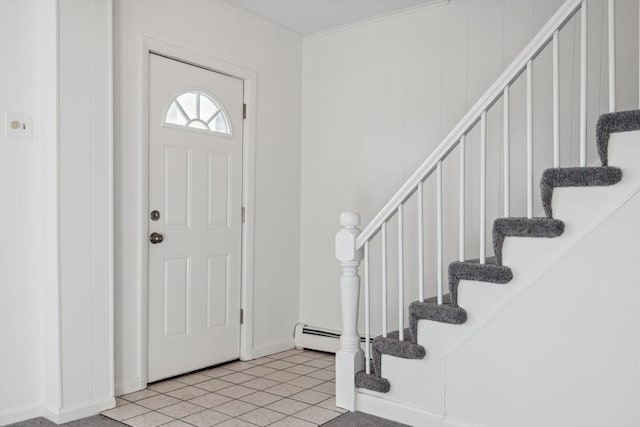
x=523, y=227
x=372, y=382
x=404, y=349
x=391, y=345
x=445, y=313
x=430, y=310
x=622, y=121
x=473, y=270
x=575, y=177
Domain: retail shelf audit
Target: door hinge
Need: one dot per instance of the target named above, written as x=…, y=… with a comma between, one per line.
x=243, y=214
x=242, y=316
x=244, y=111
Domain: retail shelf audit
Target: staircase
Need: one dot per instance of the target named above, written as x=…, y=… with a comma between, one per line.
x=493, y=270
x=361, y=377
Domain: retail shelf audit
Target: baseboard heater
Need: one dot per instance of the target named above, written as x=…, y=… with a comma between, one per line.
x=319, y=339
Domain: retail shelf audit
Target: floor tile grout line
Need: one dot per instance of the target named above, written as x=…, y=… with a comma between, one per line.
x=315, y=369
x=240, y=400
x=309, y=405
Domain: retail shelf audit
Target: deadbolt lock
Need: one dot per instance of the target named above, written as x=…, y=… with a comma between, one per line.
x=154, y=215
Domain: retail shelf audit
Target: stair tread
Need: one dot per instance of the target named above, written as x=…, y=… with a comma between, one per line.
x=392, y=346
x=430, y=310
x=487, y=272
x=372, y=382
x=585, y=176
x=537, y=223
x=620, y=121
x=523, y=227
x=473, y=270
x=598, y=176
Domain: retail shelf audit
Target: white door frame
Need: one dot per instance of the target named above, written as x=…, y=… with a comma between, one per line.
x=249, y=77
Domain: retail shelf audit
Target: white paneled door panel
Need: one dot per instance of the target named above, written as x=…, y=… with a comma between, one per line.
x=195, y=184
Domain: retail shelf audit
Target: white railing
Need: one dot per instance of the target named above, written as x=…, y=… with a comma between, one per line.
x=352, y=246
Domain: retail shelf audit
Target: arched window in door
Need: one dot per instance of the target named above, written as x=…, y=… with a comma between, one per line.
x=198, y=110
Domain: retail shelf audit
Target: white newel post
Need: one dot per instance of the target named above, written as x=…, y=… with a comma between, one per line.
x=350, y=358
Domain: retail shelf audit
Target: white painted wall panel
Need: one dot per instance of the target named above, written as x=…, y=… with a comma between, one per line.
x=26, y=171
x=227, y=34
x=51, y=284
x=379, y=97
x=85, y=153
x=22, y=250
x=48, y=84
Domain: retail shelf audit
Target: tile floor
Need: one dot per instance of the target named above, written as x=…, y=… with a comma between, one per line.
x=295, y=388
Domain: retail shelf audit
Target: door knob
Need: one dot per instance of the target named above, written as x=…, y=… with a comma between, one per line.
x=156, y=238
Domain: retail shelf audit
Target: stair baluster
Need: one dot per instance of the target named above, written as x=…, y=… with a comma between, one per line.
x=483, y=187
x=556, y=99
x=529, y=139
x=400, y=272
x=611, y=27
x=506, y=158
x=420, y=243
x=583, y=83
x=367, y=320
x=439, y=230
x=461, y=201
x=384, y=278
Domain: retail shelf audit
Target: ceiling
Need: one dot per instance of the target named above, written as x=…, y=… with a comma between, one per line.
x=311, y=16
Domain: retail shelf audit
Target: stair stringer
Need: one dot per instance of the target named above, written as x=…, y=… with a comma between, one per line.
x=566, y=352
x=421, y=383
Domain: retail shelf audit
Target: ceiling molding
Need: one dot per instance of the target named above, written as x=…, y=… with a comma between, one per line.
x=367, y=21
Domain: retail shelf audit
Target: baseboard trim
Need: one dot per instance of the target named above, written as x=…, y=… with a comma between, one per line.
x=82, y=410
x=58, y=416
x=398, y=412
x=273, y=347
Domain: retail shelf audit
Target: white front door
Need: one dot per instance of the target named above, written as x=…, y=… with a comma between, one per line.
x=195, y=184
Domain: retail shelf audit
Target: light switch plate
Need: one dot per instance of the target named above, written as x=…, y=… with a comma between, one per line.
x=18, y=125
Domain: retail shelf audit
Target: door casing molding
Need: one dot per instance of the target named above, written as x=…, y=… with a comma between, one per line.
x=149, y=46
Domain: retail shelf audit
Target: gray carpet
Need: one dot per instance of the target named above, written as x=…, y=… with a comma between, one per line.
x=430, y=310
x=523, y=227
x=96, y=421
x=351, y=419
x=358, y=419
x=600, y=176
x=622, y=121
x=372, y=381
x=473, y=270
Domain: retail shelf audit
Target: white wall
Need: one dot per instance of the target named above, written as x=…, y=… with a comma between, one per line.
x=55, y=311
x=380, y=96
x=27, y=29
x=85, y=176
x=219, y=31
